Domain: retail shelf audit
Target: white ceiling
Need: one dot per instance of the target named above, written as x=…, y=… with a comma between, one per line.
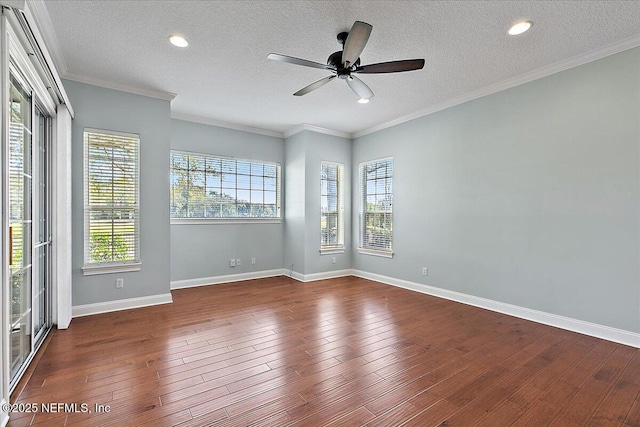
x=224, y=74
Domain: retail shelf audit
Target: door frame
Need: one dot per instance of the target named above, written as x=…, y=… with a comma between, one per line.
x=14, y=45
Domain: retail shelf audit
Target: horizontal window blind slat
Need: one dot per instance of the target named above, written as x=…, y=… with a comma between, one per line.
x=376, y=205
x=331, y=205
x=111, y=180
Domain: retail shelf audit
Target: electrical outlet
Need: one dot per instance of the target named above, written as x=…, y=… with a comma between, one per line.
x=425, y=271
x=238, y=261
x=119, y=283
x=333, y=260
x=232, y=262
x=253, y=260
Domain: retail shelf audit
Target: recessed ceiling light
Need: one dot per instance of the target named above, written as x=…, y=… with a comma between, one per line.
x=520, y=27
x=363, y=100
x=178, y=41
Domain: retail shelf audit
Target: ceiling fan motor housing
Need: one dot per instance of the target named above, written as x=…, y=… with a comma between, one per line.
x=335, y=60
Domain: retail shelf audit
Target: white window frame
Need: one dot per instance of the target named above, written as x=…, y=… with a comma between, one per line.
x=92, y=268
x=238, y=219
x=338, y=248
x=372, y=250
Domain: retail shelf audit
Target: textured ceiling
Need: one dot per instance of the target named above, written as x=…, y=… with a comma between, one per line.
x=225, y=75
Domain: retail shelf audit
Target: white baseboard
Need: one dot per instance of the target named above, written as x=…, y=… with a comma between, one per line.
x=4, y=416
x=593, y=329
x=214, y=280
x=318, y=276
x=121, y=304
x=294, y=275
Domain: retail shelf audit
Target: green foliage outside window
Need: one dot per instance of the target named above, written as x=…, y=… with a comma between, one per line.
x=108, y=248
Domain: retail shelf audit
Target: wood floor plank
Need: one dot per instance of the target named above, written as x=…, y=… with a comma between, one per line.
x=354, y=419
x=434, y=415
x=268, y=410
x=395, y=416
x=338, y=352
x=579, y=410
x=547, y=408
x=633, y=417
x=616, y=405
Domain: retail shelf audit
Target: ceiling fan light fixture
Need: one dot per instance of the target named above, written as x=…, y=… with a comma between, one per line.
x=178, y=41
x=520, y=27
x=363, y=101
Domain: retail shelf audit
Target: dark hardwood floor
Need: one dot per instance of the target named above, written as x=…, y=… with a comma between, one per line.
x=340, y=352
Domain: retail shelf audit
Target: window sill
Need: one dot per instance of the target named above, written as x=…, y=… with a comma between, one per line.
x=222, y=221
x=106, y=269
x=330, y=251
x=383, y=254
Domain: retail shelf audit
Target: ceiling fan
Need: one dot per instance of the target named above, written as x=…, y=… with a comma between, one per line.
x=343, y=64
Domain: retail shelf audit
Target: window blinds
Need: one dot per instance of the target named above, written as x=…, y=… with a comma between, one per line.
x=376, y=205
x=331, y=206
x=111, y=197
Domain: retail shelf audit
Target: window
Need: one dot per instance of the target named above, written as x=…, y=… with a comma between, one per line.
x=376, y=207
x=204, y=186
x=331, y=208
x=111, y=201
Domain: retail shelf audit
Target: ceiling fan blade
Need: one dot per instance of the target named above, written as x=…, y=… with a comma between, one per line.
x=313, y=86
x=356, y=40
x=391, y=67
x=359, y=87
x=298, y=61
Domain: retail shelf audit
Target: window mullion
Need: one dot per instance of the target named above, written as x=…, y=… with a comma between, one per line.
x=230, y=185
x=113, y=231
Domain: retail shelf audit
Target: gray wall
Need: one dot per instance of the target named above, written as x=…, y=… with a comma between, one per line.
x=294, y=233
x=304, y=153
x=529, y=196
x=322, y=147
x=102, y=108
x=204, y=250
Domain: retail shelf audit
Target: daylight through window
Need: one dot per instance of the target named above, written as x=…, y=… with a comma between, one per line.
x=111, y=198
x=376, y=207
x=332, y=206
x=204, y=186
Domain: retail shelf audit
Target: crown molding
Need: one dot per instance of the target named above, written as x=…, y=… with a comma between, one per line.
x=158, y=94
x=539, y=73
x=226, y=125
x=317, y=129
x=44, y=24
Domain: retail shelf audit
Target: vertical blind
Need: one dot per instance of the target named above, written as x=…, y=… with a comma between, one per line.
x=331, y=205
x=111, y=197
x=376, y=206
x=205, y=186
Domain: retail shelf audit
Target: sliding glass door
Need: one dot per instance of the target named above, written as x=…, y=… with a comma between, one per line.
x=29, y=242
x=42, y=237
x=20, y=222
